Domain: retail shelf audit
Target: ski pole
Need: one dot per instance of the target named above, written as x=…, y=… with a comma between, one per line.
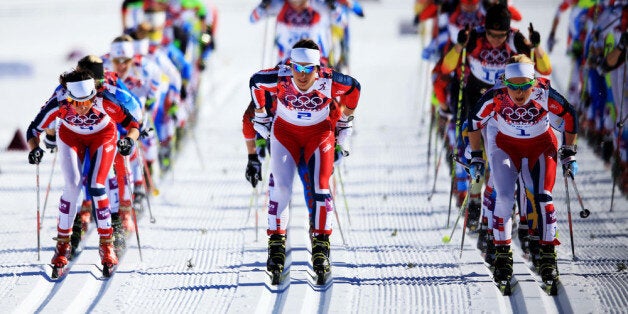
x=344, y=196
x=146, y=174
x=458, y=124
x=52, y=172
x=128, y=186
x=620, y=125
x=38, y=221
x=573, y=251
x=584, y=213
x=333, y=199
x=447, y=238
x=438, y=161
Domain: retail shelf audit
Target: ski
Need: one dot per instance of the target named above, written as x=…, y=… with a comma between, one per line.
x=277, y=277
x=59, y=272
x=323, y=278
x=506, y=287
x=108, y=269
x=551, y=286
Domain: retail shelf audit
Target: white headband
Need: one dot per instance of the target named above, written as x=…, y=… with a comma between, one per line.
x=519, y=70
x=122, y=49
x=141, y=46
x=305, y=55
x=156, y=19
x=81, y=90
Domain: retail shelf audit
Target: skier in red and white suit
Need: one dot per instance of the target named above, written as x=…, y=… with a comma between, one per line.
x=303, y=130
x=521, y=110
x=87, y=123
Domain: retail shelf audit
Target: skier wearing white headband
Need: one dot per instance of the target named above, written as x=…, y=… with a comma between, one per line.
x=518, y=114
x=313, y=103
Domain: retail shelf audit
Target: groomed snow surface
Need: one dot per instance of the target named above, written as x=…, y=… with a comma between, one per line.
x=204, y=253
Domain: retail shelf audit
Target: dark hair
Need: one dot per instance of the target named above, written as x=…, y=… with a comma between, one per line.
x=94, y=65
x=306, y=43
x=76, y=75
x=497, y=18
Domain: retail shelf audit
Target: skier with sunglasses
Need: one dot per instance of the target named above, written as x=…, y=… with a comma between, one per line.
x=302, y=130
x=518, y=114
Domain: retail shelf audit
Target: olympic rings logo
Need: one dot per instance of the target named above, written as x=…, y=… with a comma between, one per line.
x=299, y=18
x=82, y=119
x=520, y=114
x=304, y=102
x=494, y=56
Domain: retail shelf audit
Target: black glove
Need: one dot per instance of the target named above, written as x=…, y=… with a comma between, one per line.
x=51, y=142
x=417, y=20
x=265, y=3
x=331, y=4
x=125, y=146
x=253, y=171
x=463, y=36
x=34, y=157
x=535, y=37
x=184, y=92
x=476, y=165
x=623, y=41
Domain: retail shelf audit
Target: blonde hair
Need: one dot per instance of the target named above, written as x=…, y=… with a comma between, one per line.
x=520, y=58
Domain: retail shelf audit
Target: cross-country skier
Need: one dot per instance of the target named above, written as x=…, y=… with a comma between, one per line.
x=520, y=108
x=87, y=124
x=302, y=130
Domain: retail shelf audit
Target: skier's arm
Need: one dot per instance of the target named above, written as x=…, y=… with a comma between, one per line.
x=262, y=85
x=558, y=105
x=348, y=89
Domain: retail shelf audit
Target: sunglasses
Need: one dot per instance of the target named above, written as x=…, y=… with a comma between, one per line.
x=77, y=103
x=307, y=69
x=494, y=35
x=522, y=87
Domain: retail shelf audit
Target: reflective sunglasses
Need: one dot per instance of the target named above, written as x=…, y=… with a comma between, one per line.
x=307, y=69
x=77, y=103
x=497, y=36
x=522, y=87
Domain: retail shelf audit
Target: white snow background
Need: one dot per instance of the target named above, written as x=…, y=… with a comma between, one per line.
x=201, y=254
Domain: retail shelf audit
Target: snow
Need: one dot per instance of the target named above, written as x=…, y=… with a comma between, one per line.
x=204, y=252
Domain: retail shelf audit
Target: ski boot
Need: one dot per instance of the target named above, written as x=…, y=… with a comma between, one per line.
x=119, y=236
x=108, y=257
x=276, y=257
x=320, y=258
x=86, y=215
x=502, y=273
x=548, y=269
x=482, y=237
x=474, y=215
x=126, y=216
x=61, y=257
x=76, y=236
x=535, y=251
x=139, y=194
x=524, y=238
x=489, y=258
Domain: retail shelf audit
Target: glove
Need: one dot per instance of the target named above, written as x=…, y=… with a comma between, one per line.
x=184, y=92
x=331, y=4
x=344, y=129
x=253, y=172
x=476, y=165
x=51, y=142
x=262, y=123
x=125, y=146
x=34, y=157
x=265, y=3
x=463, y=36
x=623, y=41
x=260, y=147
x=535, y=37
x=551, y=41
x=567, y=155
x=417, y=20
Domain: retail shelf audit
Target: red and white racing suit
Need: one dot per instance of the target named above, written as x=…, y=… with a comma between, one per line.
x=523, y=134
x=303, y=129
x=94, y=131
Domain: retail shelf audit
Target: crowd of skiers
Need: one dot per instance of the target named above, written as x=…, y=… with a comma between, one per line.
x=116, y=119
x=499, y=116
